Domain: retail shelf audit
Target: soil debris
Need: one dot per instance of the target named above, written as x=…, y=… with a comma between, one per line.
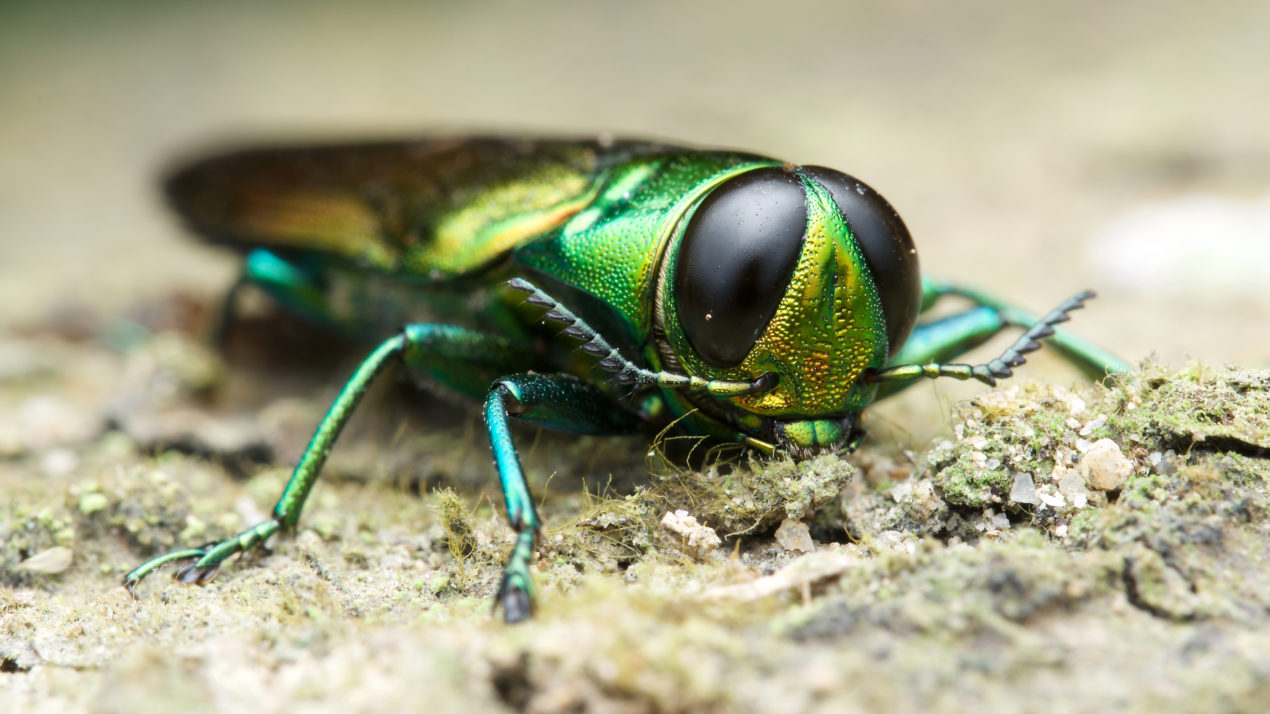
x=1055, y=534
x=690, y=536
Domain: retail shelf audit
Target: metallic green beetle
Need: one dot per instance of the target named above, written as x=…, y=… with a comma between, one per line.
x=594, y=287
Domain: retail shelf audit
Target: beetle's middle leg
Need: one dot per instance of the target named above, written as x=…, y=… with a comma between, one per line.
x=455, y=357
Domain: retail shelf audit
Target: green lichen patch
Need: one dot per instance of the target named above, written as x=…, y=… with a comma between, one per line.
x=1198, y=404
x=1047, y=455
x=1031, y=430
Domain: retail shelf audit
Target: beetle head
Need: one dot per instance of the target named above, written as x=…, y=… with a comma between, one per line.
x=802, y=272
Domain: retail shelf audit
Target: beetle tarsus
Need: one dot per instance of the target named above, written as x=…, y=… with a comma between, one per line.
x=999, y=368
x=192, y=574
x=517, y=604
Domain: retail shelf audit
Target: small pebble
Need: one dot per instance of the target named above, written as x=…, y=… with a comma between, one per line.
x=1024, y=489
x=794, y=536
x=694, y=537
x=59, y=462
x=1071, y=484
x=50, y=561
x=1053, y=500
x=1104, y=466
x=1095, y=424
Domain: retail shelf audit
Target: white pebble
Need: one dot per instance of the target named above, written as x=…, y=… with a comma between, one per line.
x=1104, y=466
x=1024, y=489
x=694, y=537
x=794, y=536
x=1095, y=424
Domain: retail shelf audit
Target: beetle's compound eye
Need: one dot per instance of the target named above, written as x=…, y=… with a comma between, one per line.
x=887, y=247
x=735, y=261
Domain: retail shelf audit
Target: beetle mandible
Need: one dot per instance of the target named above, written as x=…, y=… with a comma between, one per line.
x=595, y=287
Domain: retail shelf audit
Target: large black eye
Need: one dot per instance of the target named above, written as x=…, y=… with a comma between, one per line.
x=887, y=247
x=738, y=253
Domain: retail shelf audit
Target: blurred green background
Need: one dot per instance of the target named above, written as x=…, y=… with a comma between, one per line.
x=1020, y=141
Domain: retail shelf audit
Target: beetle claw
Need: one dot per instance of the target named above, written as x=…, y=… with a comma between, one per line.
x=194, y=575
x=517, y=604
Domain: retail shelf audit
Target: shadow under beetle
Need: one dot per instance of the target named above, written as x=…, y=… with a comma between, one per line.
x=594, y=287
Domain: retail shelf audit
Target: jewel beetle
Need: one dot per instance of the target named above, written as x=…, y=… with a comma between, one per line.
x=594, y=287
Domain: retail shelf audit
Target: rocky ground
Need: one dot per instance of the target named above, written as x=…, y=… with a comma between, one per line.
x=1052, y=545
x=1063, y=549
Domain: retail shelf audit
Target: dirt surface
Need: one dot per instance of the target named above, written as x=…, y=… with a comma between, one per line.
x=1052, y=545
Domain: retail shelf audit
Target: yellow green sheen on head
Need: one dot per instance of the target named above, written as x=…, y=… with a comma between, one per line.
x=827, y=329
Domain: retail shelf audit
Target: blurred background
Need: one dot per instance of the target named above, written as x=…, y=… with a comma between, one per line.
x=1032, y=148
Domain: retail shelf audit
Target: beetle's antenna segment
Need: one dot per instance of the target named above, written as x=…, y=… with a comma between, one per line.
x=623, y=370
x=998, y=368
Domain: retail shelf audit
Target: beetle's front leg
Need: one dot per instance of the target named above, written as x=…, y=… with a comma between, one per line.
x=557, y=401
x=959, y=334
x=956, y=334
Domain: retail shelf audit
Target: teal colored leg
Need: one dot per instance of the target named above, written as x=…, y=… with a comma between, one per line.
x=556, y=401
x=290, y=285
x=950, y=337
x=977, y=326
x=299, y=289
x=946, y=336
x=456, y=357
x=462, y=360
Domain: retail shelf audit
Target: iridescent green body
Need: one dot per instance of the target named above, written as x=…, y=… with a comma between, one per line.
x=562, y=282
